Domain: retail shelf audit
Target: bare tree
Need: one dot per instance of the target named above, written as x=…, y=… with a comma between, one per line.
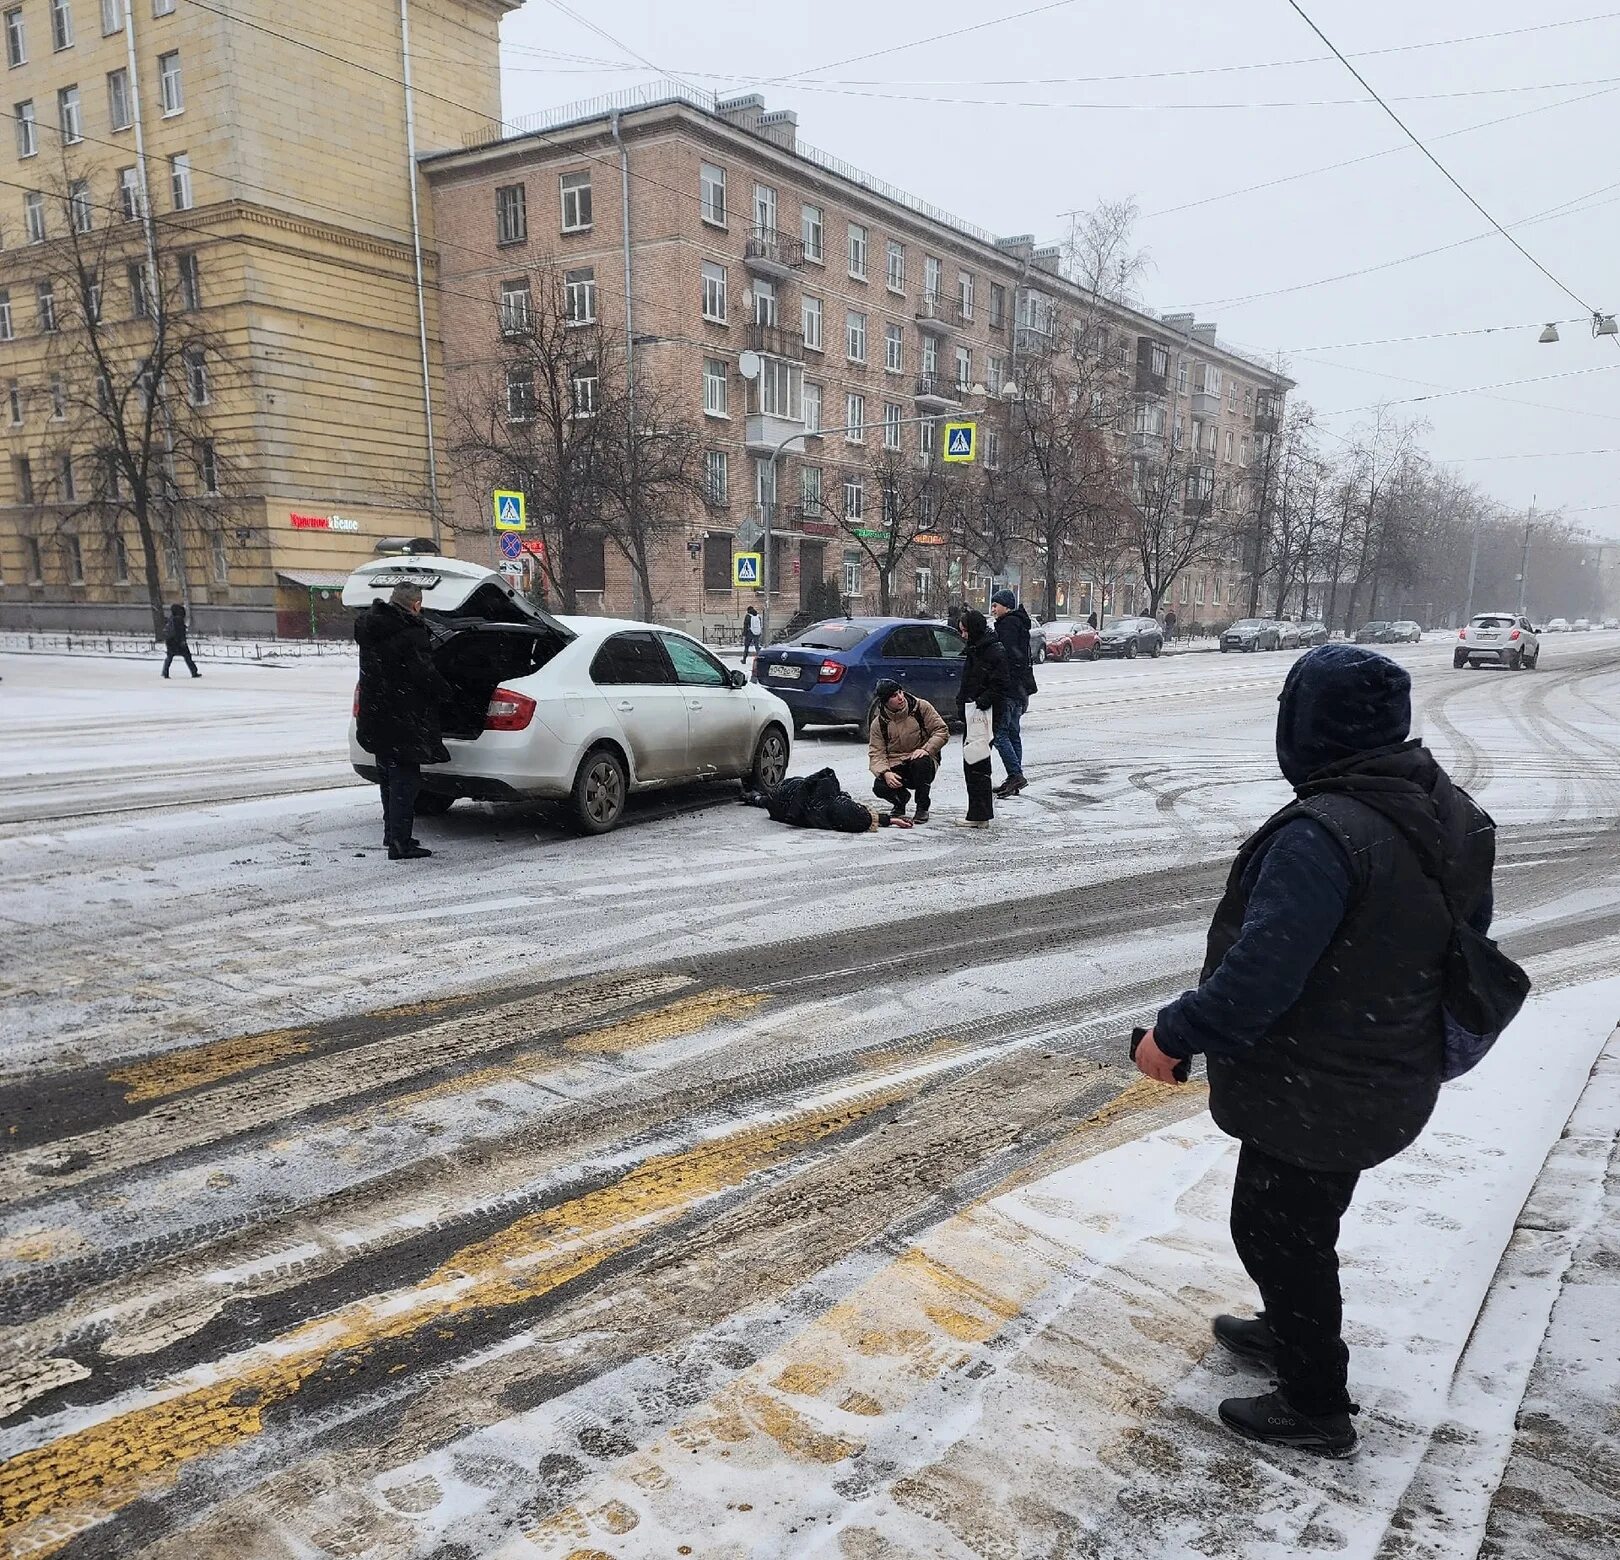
x=885, y=510
x=1171, y=521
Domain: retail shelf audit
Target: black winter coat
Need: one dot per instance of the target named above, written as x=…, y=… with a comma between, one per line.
x=985, y=675
x=1013, y=630
x=818, y=801
x=400, y=688
x=174, y=630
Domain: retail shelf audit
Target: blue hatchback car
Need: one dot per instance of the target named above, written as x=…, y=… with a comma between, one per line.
x=827, y=674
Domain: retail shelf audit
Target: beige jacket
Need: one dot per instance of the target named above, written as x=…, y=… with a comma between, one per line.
x=893, y=738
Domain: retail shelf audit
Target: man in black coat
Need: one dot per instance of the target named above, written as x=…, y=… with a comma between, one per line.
x=175, y=641
x=398, y=713
x=985, y=684
x=1013, y=629
x=1321, y=1011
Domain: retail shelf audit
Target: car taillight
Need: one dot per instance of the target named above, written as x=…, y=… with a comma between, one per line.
x=1462, y=633
x=1514, y=634
x=508, y=711
x=831, y=672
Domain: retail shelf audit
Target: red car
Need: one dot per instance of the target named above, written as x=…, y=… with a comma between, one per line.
x=1064, y=640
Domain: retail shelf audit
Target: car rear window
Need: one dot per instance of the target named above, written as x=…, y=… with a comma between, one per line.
x=831, y=636
x=1487, y=621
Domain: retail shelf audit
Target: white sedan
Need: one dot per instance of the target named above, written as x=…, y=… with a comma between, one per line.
x=578, y=709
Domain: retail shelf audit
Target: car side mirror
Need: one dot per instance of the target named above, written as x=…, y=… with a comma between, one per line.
x=739, y=679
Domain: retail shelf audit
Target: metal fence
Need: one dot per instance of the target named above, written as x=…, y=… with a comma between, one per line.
x=203, y=647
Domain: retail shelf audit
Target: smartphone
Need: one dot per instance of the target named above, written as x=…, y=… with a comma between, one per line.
x=1183, y=1069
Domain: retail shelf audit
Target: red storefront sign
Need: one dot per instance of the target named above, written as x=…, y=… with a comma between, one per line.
x=324, y=523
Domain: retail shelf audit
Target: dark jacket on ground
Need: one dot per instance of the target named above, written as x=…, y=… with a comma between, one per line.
x=1320, y=1004
x=817, y=801
x=985, y=674
x=174, y=630
x=1013, y=630
x=400, y=688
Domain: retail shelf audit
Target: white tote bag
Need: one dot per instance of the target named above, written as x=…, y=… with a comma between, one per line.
x=978, y=728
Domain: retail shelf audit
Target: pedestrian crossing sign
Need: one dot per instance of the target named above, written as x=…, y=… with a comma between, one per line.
x=745, y=570
x=959, y=441
x=510, y=512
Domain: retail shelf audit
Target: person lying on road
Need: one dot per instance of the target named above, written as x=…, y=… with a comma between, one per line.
x=818, y=802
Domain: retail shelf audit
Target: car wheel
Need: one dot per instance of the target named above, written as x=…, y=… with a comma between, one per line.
x=1515, y=660
x=769, y=768
x=1130, y=651
x=1064, y=653
x=1531, y=662
x=1158, y=648
x=1096, y=652
x=1040, y=655
x=434, y=804
x=1458, y=661
x=600, y=789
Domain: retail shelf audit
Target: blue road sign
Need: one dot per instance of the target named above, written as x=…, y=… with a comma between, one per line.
x=511, y=546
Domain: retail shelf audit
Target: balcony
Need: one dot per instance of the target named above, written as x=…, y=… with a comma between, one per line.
x=764, y=432
x=1265, y=420
x=1037, y=337
x=776, y=341
x=937, y=392
x=1206, y=404
x=769, y=253
x=961, y=314
x=934, y=315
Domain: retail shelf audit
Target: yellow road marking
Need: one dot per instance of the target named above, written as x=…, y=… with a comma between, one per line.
x=95, y=1472
x=665, y=1023
x=158, y=1077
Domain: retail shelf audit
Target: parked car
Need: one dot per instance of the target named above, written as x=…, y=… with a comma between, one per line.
x=1558, y=626
x=1063, y=640
x=1287, y=634
x=1611, y=623
x=1497, y=639
x=1130, y=637
x=1405, y=632
x=828, y=673
x=1312, y=634
x=1376, y=633
x=577, y=709
x=1581, y=626
x=1251, y=634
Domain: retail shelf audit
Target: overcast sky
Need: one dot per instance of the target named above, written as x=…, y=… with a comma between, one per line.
x=1010, y=127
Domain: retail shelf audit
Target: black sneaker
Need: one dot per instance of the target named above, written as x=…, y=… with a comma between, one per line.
x=922, y=815
x=408, y=853
x=1011, y=786
x=1249, y=1340
x=1271, y=1419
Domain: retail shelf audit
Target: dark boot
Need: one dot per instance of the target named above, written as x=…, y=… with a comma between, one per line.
x=1249, y=1340
x=1271, y=1419
x=1011, y=786
x=407, y=853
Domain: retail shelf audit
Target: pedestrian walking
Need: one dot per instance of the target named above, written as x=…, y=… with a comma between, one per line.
x=1091, y=620
x=904, y=741
x=397, y=710
x=1170, y=621
x=1013, y=629
x=175, y=642
x=1323, y=1011
x=753, y=640
x=985, y=683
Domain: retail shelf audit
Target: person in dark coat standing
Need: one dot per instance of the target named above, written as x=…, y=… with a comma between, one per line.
x=1320, y=1011
x=985, y=683
x=1013, y=629
x=175, y=641
x=753, y=633
x=398, y=711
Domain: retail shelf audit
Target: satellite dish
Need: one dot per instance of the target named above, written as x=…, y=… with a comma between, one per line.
x=748, y=365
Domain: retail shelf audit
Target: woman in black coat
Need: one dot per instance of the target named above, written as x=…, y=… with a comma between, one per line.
x=174, y=640
x=986, y=679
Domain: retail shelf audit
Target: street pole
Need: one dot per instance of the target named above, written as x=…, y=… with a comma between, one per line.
x=1473, y=569
x=1524, y=560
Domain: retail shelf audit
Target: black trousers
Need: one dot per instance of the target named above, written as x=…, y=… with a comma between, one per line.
x=1285, y=1225
x=399, y=783
x=981, y=790
x=916, y=774
x=183, y=653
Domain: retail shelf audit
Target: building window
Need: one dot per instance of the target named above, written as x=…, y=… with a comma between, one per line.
x=811, y=226
x=208, y=466
x=27, y=129
x=964, y=293
x=1181, y=375
x=190, y=284
x=717, y=481
x=169, y=88
x=32, y=564
x=780, y=389
x=855, y=336
x=140, y=291
x=992, y=449
x=70, y=116
x=6, y=330
x=893, y=348
x=162, y=7
x=16, y=38
x=810, y=321
x=579, y=295
x=196, y=376
x=585, y=386
x=998, y=305
x=714, y=387
x=576, y=202
x=714, y=292
x=130, y=201
x=765, y=486
x=964, y=367
x=120, y=558
x=995, y=374
x=67, y=478
x=765, y=312
x=812, y=407
x=61, y=24
x=717, y=551
x=34, y=216
x=930, y=356
x=24, y=469
x=924, y=579
x=852, y=572
x=80, y=211
x=712, y=184
x=75, y=559
x=897, y=266
x=517, y=308
x=1159, y=366
x=854, y=500
x=1248, y=403
x=14, y=400
x=58, y=398
x=891, y=425
x=1229, y=445
x=219, y=559
x=927, y=431
x=45, y=293
x=171, y=559
x=180, y=181
x=854, y=418
x=511, y=214
x=764, y=208
x=519, y=395
x=932, y=273
x=1243, y=450
x=1231, y=395
x=857, y=251
x=112, y=17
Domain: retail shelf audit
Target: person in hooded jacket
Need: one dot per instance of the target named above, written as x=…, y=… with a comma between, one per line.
x=1013, y=629
x=985, y=683
x=818, y=801
x=904, y=741
x=397, y=711
x=175, y=641
x=1320, y=1011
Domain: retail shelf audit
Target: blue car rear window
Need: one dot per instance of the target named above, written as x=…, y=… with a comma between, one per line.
x=831, y=636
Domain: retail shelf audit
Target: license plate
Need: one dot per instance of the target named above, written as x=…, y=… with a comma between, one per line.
x=783, y=673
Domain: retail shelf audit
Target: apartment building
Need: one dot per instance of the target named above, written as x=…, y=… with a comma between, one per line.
x=259, y=154
x=863, y=317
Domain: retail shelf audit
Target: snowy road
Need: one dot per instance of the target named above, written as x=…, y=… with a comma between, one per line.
x=711, y=1184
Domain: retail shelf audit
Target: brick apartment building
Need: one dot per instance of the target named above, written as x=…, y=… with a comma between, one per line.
x=859, y=305
x=267, y=142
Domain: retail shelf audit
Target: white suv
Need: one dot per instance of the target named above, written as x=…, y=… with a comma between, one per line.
x=1498, y=639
